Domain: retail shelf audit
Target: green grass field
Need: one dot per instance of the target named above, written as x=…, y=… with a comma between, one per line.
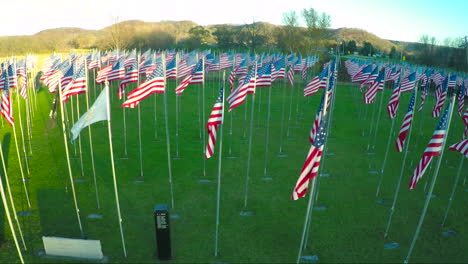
x=348, y=231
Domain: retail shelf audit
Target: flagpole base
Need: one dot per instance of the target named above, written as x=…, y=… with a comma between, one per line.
x=231, y=157
x=282, y=155
x=383, y=201
x=319, y=208
x=95, y=216
x=373, y=172
x=309, y=259
x=267, y=178
x=449, y=233
x=79, y=180
x=204, y=180
x=392, y=245
x=124, y=157
x=25, y=179
x=24, y=213
x=324, y=175
x=246, y=213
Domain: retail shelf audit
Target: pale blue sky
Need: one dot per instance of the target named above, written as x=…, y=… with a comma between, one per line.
x=403, y=20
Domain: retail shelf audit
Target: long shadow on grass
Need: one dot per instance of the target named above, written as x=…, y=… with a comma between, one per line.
x=5, y=148
x=57, y=213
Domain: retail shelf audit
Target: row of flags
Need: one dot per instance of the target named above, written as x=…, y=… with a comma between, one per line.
x=408, y=79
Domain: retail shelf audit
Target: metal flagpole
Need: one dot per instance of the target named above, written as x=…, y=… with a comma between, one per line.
x=385, y=157
x=139, y=141
x=281, y=154
x=155, y=120
x=291, y=95
x=374, y=141
x=431, y=188
x=114, y=178
x=22, y=132
x=397, y=188
x=245, y=120
x=218, y=193
x=7, y=182
x=168, y=141
x=10, y=223
x=65, y=141
x=454, y=188
x=203, y=117
x=177, y=119
x=79, y=138
x=371, y=129
x=267, y=137
x=231, y=117
x=28, y=108
x=23, y=179
x=91, y=139
x=72, y=121
x=139, y=124
x=252, y=111
x=325, y=145
x=200, y=126
x=312, y=188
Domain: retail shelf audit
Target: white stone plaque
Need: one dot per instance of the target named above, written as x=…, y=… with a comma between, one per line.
x=71, y=247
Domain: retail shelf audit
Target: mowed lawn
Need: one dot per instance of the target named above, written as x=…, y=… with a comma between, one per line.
x=349, y=230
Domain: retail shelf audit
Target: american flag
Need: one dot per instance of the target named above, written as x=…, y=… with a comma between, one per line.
x=171, y=69
x=214, y=65
x=93, y=60
x=377, y=85
x=242, y=69
x=461, y=147
x=461, y=99
x=291, y=76
x=278, y=69
x=363, y=74
x=103, y=73
x=424, y=92
x=154, y=83
x=394, y=102
x=400, y=141
x=433, y=149
x=131, y=76
x=407, y=83
x=320, y=81
x=441, y=96
x=370, y=80
x=312, y=163
x=130, y=60
x=147, y=66
x=215, y=119
x=437, y=77
x=225, y=61
x=186, y=66
x=352, y=67
x=196, y=76
x=232, y=79
x=53, y=80
x=21, y=72
x=264, y=75
x=237, y=97
x=298, y=66
x=452, y=81
x=393, y=75
x=118, y=71
x=68, y=76
x=12, y=79
x=77, y=85
x=6, y=108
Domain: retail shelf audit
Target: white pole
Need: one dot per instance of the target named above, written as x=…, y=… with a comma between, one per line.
x=109, y=129
x=65, y=141
x=218, y=193
x=22, y=132
x=403, y=165
x=252, y=110
x=88, y=94
x=431, y=188
x=168, y=141
x=7, y=182
x=10, y=223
